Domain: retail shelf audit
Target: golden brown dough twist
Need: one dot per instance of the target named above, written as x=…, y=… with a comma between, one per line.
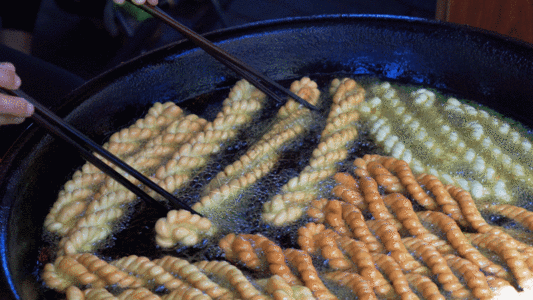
x=350, y=195
x=346, y=180
x=468, y=208
x=507, y=250
x=359, y=286
x=356, y=221
x=362, y=258
x=330, y=251
x=474, y=278
x=447, y=204
x=518, y=214
x=334, y=218
x=460, y=243
x=303, y=263
x=391, y=240
x=316, y=210
x=394, y=272
x=425, y=286
x=404, y=173
x=440, y=269
x=373, y=199
x=238, y=249
x=74, y=293
x=185, y=292
x=306, y=235
x=501, y=288
x=384, y=178
x=259, y=253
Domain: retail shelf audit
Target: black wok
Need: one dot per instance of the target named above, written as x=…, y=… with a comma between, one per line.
x=461, y=61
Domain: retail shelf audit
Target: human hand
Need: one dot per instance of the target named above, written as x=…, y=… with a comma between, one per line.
x=138, y=2
x=13, y=110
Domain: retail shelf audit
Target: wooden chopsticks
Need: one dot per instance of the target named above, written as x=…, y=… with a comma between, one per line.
x=71, y=135
x=253, y=76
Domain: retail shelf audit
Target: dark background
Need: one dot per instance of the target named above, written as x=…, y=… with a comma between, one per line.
x=75, y=37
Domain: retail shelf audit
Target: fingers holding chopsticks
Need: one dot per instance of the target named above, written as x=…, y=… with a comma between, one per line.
x=13, y=110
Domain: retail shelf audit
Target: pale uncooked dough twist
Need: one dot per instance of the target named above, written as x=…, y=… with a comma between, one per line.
x=337, y=135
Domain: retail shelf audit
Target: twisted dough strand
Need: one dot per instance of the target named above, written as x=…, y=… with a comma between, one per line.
x=148, y=271
x=268, y=153
x=316, y=210
x=474, y=278
x=259, y=253
x=359, y=286
x=138, y=294
x=518, y=214
x=153, y=154
x=356, y=221
x=424, y=286
x=242, y=103
x=405, y=175
x=281, y=290
x=303, y=263
x=392, y=242
x=89, y=179
x=194, y=278
x=334, y=218
x=448, y=205
x=85, y=269
x=326, y=241
x=384, y=178
x=439, y=267
x=233, y=276
x=373, y=199
x=460, y=243
x=338, y=133
x=185, y=292
x=468, y=208
x=507, y=250
x=262, y=156
x=403, y=209
x=306, y=235
x=362, y=258
x=394, y=272
x=350, y=194
x=182, y=227
x=98, y=294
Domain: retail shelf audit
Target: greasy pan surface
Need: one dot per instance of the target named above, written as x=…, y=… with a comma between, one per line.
x=460, y=61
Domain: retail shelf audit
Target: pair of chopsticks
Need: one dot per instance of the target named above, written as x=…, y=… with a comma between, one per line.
x=84, y=145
